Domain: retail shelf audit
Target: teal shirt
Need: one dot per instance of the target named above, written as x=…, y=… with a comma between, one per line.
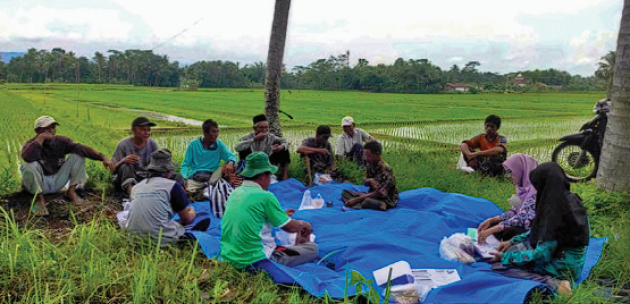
x=248, y=210
x=198, y=158
x=565, y=265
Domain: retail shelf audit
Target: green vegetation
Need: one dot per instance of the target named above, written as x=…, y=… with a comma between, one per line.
x=90, y=259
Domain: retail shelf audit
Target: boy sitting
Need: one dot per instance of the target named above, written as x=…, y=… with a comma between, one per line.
x=492, y=149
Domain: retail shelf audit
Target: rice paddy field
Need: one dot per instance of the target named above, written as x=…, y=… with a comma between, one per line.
x=90, y=261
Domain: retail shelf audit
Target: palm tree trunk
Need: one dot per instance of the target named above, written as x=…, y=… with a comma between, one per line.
x=614, y=166
x=274, y=64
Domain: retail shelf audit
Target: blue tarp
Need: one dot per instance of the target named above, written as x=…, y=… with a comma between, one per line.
x=367, y=240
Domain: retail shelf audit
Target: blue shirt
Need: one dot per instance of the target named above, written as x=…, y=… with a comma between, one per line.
x=198, y=158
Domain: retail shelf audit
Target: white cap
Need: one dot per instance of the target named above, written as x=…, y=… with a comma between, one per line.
x=44, y=122
x=347, y=121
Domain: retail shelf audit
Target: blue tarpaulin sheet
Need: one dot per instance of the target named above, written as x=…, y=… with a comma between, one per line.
x=366, y=240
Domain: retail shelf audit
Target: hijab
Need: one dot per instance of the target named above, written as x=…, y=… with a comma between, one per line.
x=521, y=165
x=560, y=215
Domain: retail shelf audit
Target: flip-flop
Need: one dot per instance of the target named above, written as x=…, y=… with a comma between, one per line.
x=37, y=211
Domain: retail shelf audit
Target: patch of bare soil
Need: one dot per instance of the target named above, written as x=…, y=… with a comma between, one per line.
x=63, y=212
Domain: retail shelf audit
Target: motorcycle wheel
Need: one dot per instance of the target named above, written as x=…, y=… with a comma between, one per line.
x=566, y=155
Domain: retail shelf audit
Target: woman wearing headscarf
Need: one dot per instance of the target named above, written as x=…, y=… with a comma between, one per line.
x=518, y=219
x=553, y=251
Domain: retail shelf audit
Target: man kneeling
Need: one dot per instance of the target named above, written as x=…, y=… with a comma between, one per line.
x=250, y=213
x=383, y=193
x=156, y=199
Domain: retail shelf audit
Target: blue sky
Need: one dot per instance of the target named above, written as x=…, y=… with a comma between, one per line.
x=504, y=36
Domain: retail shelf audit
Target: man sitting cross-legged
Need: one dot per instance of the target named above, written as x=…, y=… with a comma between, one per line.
x=262, y=140
x=383, y=193
x=46, y=169
x=250, y=213
x=132, y=156
x=156, y=199
x=317, y=153
x=492, y=149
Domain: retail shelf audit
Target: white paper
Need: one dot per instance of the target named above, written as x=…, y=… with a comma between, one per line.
x=435, y=277
x=399, y=269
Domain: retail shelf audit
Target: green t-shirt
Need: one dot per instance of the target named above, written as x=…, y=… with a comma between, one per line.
x=246, y=212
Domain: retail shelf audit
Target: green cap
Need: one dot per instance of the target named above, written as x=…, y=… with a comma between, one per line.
x=257, y=163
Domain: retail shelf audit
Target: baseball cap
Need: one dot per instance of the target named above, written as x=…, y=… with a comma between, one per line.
x=323, y=130
x=142, y=121
x=347, y=121
x=44, y=122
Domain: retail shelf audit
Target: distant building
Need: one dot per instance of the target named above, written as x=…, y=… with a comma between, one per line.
x=460, y=87
x=520, y=80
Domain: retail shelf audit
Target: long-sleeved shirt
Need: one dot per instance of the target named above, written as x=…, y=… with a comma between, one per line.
x=248, y=143
x=545, y=258
x=198, y=158
x=345, y=141
x=522, y=217
x=127, y=147
x=51, y=155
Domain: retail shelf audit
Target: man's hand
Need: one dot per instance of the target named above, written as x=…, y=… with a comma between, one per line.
x=290, y=211
x=277, y=148
x=496, y=257
x=354, y=201
x=323, y=151
x=43, y=137
x=107, y=163
x=370, y=182
x=131, y=158
x=229, y=168
x=260, y=136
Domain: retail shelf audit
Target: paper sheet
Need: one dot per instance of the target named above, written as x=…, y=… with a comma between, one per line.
x=435, y=277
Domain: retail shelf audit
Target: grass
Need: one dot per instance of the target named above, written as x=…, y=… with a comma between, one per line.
x=92, y=260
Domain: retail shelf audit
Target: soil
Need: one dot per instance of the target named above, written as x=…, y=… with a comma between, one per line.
x=61, y=209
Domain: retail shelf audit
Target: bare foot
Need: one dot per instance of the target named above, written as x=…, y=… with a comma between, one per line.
x=40, y=206
x=72, y=195
x=565, y=289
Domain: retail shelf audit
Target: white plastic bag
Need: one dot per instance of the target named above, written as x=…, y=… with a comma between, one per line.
x=123, y=216
x=462, y=165
x=322, y=179
x=284, y=238
x=515, y=202
x=452, y=248
x=311, y=203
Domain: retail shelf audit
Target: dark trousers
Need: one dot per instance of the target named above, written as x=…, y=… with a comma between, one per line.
x=129, y=175
x=356, y=154
x=370, y=203
x=277, y=158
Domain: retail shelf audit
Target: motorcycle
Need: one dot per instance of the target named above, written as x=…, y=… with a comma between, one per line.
x=578, y=154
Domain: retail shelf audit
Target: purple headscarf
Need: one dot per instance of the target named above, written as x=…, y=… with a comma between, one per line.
x=521, y=165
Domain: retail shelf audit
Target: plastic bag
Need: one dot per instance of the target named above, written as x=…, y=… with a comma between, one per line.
x=311, y=203
x=515, y=202
x=322, y=179
x=123, y=216
x=409, y=294
x=284, y=238
x=462, y=165
x=458, y=247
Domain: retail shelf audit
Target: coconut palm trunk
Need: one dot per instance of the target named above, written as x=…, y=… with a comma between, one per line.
x=274, y=64
x=614, y=166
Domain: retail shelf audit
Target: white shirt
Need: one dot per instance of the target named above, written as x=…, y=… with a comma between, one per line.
x=345, y=141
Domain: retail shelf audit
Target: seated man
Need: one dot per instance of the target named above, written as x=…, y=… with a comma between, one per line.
x=251, y=212
x=261, y=140
x=156, y=199
x=350, y=142
x=133, y=155
x=317, y=153
x=383, y=193
x=46, y=169
x=492, y=149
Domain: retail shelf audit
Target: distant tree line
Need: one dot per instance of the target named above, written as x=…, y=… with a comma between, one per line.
x=145, y=68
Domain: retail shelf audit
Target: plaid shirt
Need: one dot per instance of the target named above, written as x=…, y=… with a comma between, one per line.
x=384, y=176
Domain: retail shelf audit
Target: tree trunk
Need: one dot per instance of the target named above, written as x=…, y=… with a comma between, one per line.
x=274, y=64
x=614, y=165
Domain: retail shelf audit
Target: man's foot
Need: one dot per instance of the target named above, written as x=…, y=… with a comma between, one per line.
x=72, y=195
x=39, y=209
x=565, y=289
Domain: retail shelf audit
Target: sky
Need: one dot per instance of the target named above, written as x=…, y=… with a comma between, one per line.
x=503, y=35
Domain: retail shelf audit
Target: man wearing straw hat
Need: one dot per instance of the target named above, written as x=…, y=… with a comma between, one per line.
x=47, y=170
x=156, y=199
x=251, y=212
